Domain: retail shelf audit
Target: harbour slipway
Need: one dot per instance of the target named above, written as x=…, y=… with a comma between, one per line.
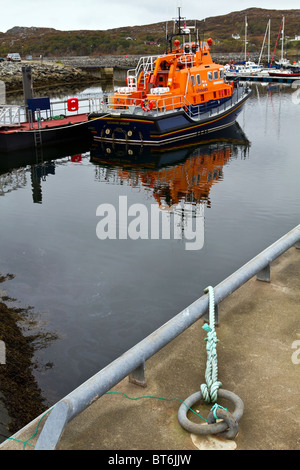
x=257, y=323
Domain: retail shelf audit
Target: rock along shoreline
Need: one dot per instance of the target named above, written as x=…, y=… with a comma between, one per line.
x=43, y=74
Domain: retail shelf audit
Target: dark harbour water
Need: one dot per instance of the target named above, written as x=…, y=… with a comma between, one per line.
x=103, y=296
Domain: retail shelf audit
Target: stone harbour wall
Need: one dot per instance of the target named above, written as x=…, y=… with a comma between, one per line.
x=74, y=70
x=130, y=61
x=126, y=61
x=43, y=74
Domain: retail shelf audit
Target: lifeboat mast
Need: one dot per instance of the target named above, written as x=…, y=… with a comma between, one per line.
x=181, y=31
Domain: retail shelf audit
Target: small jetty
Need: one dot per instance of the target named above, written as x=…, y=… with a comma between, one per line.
x=39, y=122
x=260, y=77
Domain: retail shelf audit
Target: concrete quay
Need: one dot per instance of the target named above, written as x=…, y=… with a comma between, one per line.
x=258, y=359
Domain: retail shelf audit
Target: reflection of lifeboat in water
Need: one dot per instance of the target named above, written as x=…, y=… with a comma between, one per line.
x=190, y=181
x=184, y=173
x=178, y=95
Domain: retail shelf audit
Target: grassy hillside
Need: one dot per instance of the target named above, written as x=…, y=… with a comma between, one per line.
x=150, y=39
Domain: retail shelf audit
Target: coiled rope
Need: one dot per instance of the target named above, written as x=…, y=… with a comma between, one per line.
x=210, y=389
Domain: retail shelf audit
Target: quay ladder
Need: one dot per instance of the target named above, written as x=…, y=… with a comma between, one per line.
x=38, y=142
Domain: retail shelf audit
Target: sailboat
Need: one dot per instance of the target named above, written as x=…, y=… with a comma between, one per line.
x=248, y=67
x=282, y=62
x=286, y=69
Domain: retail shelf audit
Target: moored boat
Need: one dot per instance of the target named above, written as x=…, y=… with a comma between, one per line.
x=285, y=73
x=39, y=123
x=247, y=68
x=282, y=63
x=174, y=96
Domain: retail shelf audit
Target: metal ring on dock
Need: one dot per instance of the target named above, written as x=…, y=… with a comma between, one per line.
x=231, y=422
x=220, y=428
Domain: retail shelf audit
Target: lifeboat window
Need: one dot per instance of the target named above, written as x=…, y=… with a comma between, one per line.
x=198, y=79
x=193, y=80
x=216, y=75
x=221, y=73
x=209, y=75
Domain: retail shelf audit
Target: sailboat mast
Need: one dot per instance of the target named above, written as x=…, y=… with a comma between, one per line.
x=269, y=42
x=263, y=45
x=276, y=43
x=282, y=38
x=246, y=24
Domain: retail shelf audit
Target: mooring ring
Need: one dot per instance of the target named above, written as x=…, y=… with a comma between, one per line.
x=232, y=424
x=211, y=428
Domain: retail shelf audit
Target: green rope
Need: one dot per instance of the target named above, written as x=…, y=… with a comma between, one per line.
x=214, y=409
x=210, y=389
x=107, y=393
x=159, y=398
x=36, y=430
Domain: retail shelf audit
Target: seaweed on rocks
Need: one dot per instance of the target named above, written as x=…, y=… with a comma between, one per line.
x=19, y=390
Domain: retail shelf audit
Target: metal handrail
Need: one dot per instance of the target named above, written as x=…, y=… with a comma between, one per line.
x=14, y=115
x=10, y=115
x=165, y=104
x=134, y=359
x=145, y=64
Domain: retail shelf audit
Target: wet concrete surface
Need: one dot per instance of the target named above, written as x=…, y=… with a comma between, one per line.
x=258, y=359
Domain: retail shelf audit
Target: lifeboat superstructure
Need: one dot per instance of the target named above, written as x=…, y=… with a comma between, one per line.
x=176, y=95
x=184, y=77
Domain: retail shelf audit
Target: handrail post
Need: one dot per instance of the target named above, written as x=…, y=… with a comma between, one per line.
x=264, y=274
x=55, y=424
x=137, y=376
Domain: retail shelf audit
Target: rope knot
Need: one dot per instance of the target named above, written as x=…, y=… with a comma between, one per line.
x=210, y=389
x=214, y=410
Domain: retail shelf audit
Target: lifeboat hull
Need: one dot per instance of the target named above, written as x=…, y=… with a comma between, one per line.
x=159, y=129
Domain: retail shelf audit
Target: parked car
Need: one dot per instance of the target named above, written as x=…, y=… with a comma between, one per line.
x=14, y=57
